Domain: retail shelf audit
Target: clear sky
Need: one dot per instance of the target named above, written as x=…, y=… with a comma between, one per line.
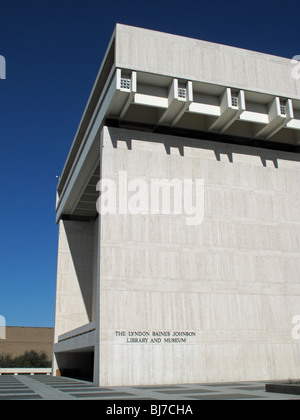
x=53, y=51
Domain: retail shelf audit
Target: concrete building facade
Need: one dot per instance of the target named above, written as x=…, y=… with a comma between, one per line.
x=147, y=296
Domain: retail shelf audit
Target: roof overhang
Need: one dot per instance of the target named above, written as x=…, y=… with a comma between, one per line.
x=160, y=80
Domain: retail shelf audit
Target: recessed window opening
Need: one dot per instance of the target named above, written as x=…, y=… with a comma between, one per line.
x=235, y=101
x=282, y=109
x=182, y=93
x=125, y=83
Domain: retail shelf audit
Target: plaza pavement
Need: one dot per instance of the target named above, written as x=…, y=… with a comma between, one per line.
x=42, y=387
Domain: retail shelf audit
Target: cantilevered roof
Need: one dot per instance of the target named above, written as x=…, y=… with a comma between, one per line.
x=162, y=81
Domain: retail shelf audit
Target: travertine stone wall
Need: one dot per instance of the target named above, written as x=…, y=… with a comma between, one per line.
x=75, y=275
x=234, y=280
x=192, y=59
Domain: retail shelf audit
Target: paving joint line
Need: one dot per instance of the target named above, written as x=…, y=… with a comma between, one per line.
x=45, y=391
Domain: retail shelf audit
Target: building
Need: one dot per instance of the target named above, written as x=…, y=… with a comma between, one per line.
x=146, y=295
x=18, y=340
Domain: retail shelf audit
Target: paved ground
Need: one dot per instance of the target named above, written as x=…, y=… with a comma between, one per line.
x=25, y=387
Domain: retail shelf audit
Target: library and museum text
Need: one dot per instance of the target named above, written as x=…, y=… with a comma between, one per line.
x=155, y=337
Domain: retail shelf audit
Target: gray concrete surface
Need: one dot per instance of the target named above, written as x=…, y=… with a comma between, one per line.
x=24, y=387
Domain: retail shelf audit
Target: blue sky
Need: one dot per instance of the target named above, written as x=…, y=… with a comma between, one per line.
x=53, y=51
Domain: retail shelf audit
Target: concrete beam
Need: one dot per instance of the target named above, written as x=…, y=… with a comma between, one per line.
x=128, y=92
x=278, y=115
x=231, y=107
x=179, y=100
